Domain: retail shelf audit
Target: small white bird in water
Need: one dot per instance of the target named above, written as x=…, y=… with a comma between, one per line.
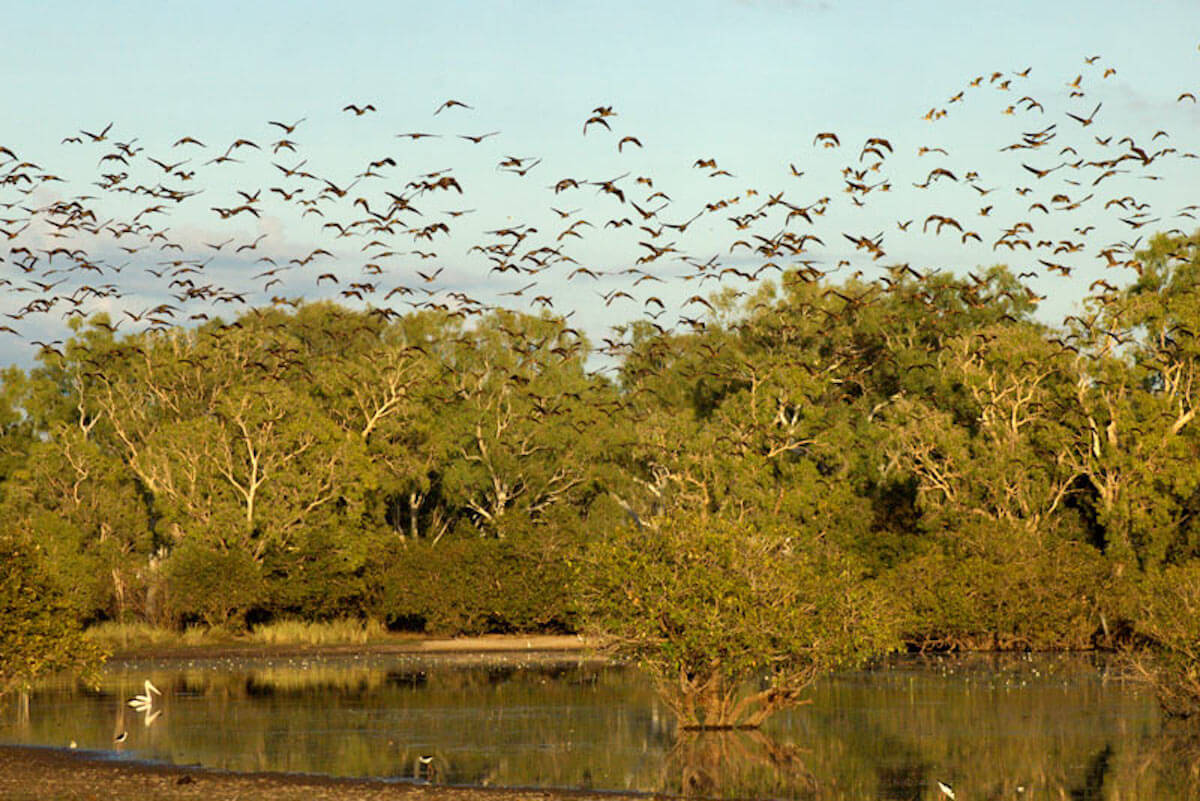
x=947, y=789
x=143, y=702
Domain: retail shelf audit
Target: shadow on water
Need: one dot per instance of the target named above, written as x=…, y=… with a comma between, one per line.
x=992, y=727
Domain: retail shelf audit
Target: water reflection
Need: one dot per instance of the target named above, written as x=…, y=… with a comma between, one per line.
x=1012, y=727
x=737, y=764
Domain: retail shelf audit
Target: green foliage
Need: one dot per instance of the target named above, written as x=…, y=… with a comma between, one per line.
x=1167, y=615
x=91, y=518
x=1136, y=420
x=472, y=585
x=39, y=629
x=327, y=573
x=216, y=587
x=1007, y=595
x=16, y=429
x=708, y=606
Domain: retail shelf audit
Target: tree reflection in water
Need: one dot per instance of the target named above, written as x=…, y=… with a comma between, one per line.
x=1175, y=752
x=735, y=763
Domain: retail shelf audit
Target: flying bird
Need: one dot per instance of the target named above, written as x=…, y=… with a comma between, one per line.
x=450, y=104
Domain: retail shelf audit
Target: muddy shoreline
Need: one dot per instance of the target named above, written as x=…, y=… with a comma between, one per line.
x=36, y=773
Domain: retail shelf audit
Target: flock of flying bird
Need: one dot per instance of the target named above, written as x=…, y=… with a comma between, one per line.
x=391, y=239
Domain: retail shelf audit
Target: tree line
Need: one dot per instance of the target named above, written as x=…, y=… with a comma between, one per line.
x=915, y=460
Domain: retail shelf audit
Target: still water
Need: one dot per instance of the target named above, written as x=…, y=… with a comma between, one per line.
x=1028, y=727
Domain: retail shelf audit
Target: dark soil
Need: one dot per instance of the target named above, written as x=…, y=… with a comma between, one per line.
x=37, y=774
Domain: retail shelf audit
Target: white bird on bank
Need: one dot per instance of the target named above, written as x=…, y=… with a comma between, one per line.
x=143, y=702
x=947, y=789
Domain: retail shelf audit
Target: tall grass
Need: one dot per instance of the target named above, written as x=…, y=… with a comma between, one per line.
x=141, y=636
x=333, y=632
x=126, y=637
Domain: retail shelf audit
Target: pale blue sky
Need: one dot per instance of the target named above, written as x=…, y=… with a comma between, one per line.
x=733, y=67
x=747, y=83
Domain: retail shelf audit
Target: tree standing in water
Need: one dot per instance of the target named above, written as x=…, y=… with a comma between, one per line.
x=733, y=621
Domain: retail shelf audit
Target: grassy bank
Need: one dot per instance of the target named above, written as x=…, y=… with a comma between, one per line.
x=139, y=638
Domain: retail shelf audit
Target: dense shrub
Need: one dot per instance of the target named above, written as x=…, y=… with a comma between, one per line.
x=216, y=587
x=326, y=575
x=1055, y=596
x=474, y=585
x=39, y=631
x=1167, y=623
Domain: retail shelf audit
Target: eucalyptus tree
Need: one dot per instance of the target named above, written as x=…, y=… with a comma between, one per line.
x=1138, y=407
x=1007, y=560
x=523, y=415
x=1003, y=465
x=72, y=490
x=17, y=431
x=1139, y=457
x=221, y=429
x=386, y=383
